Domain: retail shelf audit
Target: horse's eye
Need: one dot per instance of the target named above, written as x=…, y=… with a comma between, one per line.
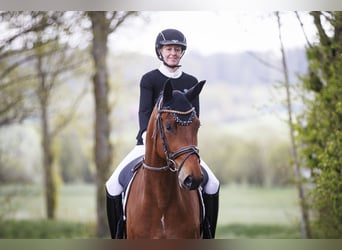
x=168, y=126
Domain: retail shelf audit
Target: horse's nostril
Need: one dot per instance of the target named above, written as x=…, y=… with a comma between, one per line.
x=191, y=182
x=188, y=181
x=202, y=179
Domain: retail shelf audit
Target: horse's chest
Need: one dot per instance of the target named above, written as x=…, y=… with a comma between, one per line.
x=159, y=215
x=165, y=222
x=170, y=225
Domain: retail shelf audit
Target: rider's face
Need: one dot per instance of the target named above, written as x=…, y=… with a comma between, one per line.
x=171, y=54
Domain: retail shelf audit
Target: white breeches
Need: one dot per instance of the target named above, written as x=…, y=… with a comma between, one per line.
x=114, y=187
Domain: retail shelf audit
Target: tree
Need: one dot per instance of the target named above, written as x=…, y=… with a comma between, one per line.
x=14, y=79
x=304, y=210
x=40, y=60
x=103, y=24
x=321, y=130
x=49, y=67
x=305, y=226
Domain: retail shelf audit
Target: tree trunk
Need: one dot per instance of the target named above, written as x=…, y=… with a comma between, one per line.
x=103, y=148
x=305, y=227
x=49, y=180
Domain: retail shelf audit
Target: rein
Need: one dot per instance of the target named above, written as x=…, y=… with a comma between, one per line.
x=171, y=157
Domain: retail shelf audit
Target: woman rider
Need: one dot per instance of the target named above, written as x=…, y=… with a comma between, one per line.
x=170, y=46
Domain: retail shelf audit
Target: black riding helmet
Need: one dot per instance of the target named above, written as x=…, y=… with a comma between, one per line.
x=170, y=37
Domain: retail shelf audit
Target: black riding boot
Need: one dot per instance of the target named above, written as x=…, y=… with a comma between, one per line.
x=115, y=216
x=211, y=203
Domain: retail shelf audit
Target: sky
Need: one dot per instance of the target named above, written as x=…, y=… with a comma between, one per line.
x=210, y=32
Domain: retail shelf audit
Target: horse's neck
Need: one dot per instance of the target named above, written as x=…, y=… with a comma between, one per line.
x=162, y=184
x=151, y=157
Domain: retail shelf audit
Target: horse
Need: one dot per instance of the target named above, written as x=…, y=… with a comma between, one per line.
x=164, y=200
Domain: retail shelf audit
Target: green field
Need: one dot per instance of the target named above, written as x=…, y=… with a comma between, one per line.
x=245, y=212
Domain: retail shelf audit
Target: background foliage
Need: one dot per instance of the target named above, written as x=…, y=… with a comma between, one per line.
x=321, y=130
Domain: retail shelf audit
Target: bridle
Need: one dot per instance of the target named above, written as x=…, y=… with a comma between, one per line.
x=172, y=156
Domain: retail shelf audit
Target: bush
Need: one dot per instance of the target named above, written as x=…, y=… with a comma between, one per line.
x=74, y=165
x=257, y=162
x=20, y=154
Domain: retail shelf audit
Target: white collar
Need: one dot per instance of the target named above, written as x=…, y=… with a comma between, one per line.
x=164, y=70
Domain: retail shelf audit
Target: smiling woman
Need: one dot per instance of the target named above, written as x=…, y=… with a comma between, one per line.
x=171, y=54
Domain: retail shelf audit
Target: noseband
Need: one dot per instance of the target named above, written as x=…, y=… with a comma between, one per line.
x=172, y=156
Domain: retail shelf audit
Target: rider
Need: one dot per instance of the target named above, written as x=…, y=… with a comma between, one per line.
x=170, y=46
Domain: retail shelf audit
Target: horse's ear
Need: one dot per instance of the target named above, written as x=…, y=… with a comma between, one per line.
x=168, y=89
x=195, y=91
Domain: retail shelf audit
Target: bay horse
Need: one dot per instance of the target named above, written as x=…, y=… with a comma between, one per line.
x=164, y=201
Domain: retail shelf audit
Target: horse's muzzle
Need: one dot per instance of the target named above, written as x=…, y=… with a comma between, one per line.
x=190, y=182
x=190, y=175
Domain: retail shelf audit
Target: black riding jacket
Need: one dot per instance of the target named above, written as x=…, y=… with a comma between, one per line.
x=151, y=86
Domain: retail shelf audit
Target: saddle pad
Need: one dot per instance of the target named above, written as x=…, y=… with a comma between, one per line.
x=127, y=172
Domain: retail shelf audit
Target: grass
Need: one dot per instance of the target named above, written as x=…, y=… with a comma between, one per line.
x=76, y=203
x=251, y=212
x=257, y=231
x=45, y=229
x=252, y=205
x=245, y=212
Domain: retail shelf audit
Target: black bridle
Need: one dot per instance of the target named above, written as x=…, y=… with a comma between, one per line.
x=172, y=156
